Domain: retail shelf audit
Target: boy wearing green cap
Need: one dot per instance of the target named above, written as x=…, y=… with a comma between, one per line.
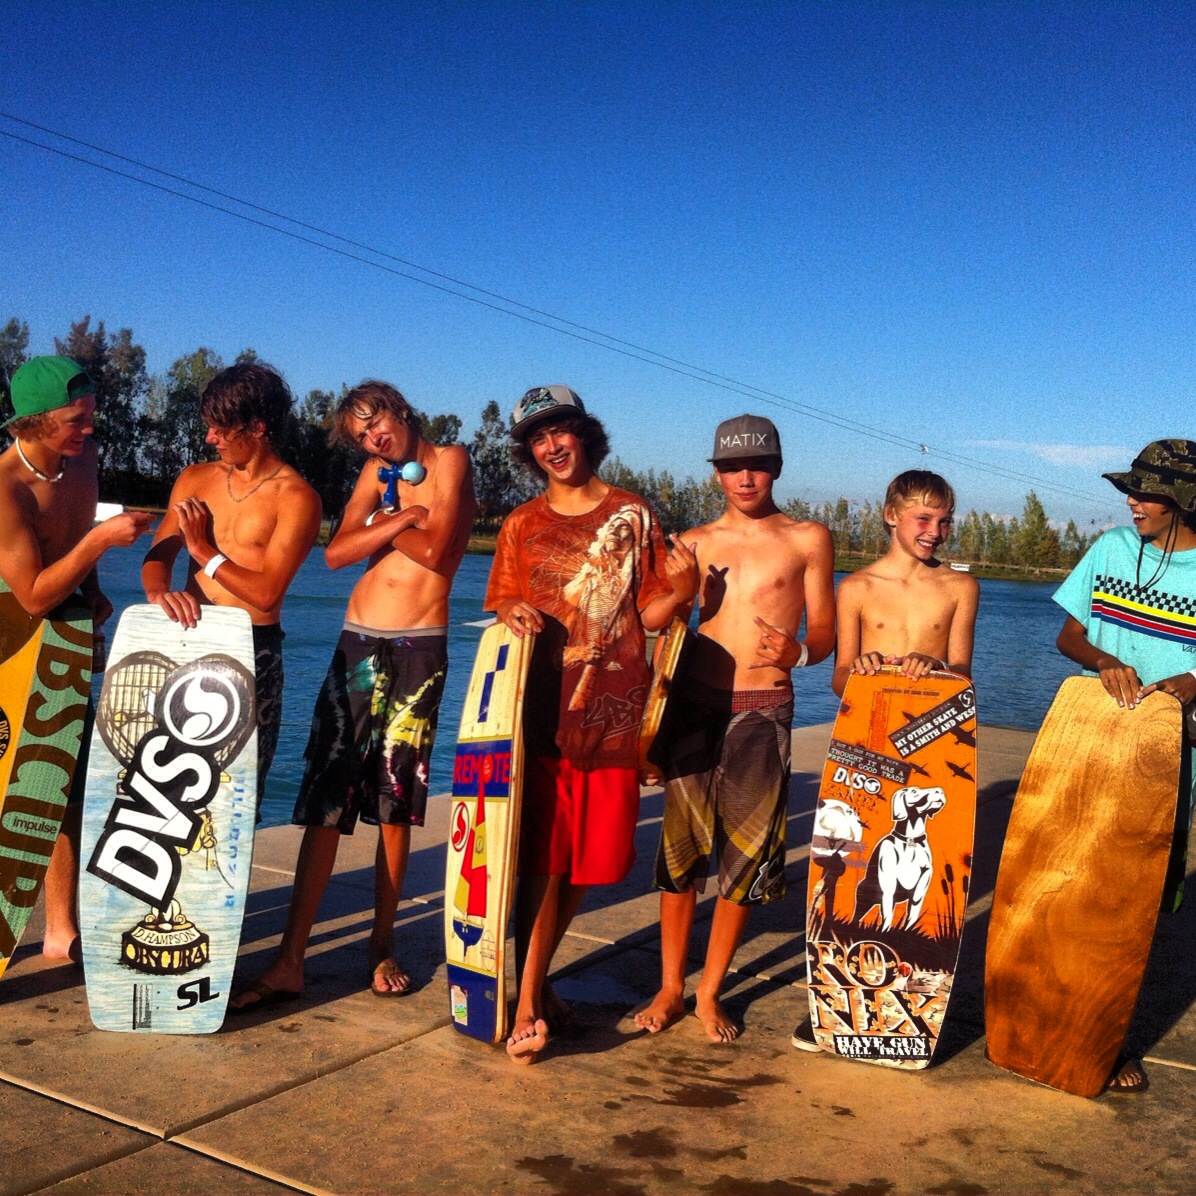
x=49, y=549
x=1130, y=604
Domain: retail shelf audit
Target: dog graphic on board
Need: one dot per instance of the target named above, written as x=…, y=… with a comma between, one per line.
x=901, y=867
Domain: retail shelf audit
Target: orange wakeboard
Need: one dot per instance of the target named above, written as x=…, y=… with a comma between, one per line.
x=1080, y=884
x=890, y=865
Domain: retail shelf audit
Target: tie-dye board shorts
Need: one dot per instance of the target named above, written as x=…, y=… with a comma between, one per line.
x=373, y=729
x=726, y=769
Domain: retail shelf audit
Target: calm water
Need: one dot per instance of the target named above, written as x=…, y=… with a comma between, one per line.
x=1017, y=668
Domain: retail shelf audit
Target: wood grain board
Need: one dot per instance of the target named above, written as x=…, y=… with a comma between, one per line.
x=890, y=866
x=168, y=822
x=1079, y=886
x=483, y=848
x=671, y=647
x=45, y=679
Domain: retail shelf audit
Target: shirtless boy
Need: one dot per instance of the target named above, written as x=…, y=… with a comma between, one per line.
x=583, y=566
x=726, y=764
x=48, y=550
x=248, y=521
x=375, y=717
x=908, y=608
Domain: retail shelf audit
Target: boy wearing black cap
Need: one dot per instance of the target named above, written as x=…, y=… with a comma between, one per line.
x=49, y=549
x=1129, y=621
x=727, y=741
x=583, y=566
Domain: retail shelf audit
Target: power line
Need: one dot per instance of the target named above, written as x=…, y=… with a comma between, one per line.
x=495, y=301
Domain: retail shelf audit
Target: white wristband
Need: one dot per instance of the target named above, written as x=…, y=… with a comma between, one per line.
x=214, y=564
x=804, y=658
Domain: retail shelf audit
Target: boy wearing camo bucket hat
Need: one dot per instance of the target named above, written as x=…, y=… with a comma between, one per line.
x=1129, y=605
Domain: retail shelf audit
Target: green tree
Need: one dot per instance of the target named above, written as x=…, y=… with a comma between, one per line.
x=439, y=429
x=971, y=538
x=117, y=367
x=14, y=351
x=1071, y=546
x=500, y=484
x=1036, y=544
x=798, y=508
x=874, y=536
x=996, y=540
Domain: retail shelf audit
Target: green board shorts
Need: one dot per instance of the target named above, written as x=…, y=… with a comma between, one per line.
x=373, y=729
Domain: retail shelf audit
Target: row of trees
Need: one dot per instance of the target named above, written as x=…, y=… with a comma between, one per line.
x=148, y=429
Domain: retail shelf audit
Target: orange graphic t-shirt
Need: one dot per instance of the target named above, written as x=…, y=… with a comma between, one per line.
x=590, y=575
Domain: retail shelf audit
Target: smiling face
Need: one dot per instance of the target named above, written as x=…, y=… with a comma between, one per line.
x=920, y=530
x=70, y=427
x=559, y=452
x=1152, y=516
x=747, y=482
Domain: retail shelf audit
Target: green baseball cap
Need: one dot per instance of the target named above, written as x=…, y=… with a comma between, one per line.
x=45, y=384
x=1166, y=468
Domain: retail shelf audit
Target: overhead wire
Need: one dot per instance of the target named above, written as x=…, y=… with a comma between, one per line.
x=495, y=301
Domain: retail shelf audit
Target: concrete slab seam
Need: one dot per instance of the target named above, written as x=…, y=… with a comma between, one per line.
x=48, y=1180
x=220, y=1156
x=63, y=1099
x=1155, y=1060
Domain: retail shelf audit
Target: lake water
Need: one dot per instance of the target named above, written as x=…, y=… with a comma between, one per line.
x=1017, y=668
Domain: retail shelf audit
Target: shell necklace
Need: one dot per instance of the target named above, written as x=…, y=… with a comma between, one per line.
x=228, y=482
x=33, y=469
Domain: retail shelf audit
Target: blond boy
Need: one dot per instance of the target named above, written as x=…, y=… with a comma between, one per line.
x=908, y=608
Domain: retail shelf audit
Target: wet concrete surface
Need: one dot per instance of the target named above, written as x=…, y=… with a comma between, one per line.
x=341, y=1092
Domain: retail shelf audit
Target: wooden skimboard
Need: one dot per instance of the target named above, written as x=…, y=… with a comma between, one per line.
x=1079, y=886
x=168, y=822
x=483, y=843
x=671, y=647
x=890, y=866
x=45, y=679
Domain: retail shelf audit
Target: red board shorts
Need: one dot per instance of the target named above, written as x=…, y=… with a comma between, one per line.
x=578, y=823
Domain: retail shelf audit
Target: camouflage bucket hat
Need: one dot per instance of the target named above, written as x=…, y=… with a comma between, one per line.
x=1166, y=468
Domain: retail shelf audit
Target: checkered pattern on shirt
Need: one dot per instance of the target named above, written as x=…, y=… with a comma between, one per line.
x=1118, y=601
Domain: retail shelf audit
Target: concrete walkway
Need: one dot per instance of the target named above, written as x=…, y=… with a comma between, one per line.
x=345, y=1093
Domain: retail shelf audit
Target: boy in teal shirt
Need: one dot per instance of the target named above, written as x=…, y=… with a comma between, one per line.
x=1131, y=606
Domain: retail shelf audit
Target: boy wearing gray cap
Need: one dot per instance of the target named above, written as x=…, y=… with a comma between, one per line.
x=583, y=566
x=727, y=739
x=49, y=549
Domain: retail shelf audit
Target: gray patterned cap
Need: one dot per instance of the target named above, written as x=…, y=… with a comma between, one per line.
x=1166, y=468
x=541, y=403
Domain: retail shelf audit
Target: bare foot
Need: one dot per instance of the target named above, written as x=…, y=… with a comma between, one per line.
x=664, y=1009
x=66, y=947
x=719, y=1027
x=275, y=979
x=527, y=1041
x=558, y=1013
x=389, y=980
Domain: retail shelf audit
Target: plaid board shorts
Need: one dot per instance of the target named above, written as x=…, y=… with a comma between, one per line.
x=726, y=770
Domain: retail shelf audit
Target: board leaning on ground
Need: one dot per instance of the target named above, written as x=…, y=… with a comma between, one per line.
x=168, y=822
x=45, y=679
x=890, y=866
x=484, y=834
x=1080, y=884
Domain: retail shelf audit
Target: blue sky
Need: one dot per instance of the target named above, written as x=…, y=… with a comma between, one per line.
x=965, y=225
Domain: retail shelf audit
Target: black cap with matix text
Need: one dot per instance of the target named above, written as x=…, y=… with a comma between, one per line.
x=746, y=436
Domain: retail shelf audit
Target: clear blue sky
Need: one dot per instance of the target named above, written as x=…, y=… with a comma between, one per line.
x=970, y=225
